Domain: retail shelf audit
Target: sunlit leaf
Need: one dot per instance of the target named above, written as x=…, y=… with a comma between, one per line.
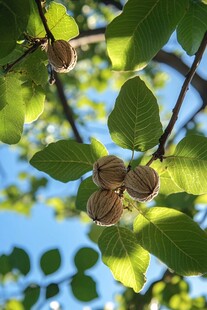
x=14, y=109
x=190, y=37
x=174, y=238
x=188, y=165
x=34, y=97
x=68, y=160
x=136, y=35
x=60, y=23
x=134, y=122
x=127, y=260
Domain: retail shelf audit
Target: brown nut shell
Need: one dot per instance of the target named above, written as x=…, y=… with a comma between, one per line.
x=61, y=55
x=109, y=172
x=105, y=207
x=142, y=183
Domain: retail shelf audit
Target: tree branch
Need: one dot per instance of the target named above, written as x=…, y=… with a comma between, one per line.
x=44, y=21
x=161, y=148
x=66, y=108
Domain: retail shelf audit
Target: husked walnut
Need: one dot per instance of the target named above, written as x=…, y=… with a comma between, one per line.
x=109, y=172
x=142, y=183
x=61, y=55
x=105, y=207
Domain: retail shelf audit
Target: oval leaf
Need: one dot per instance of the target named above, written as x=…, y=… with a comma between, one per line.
x=85, y=258
x=188, y=165
x=68, y=160
x=127, y=260
x=174, y=238
x=190, y=37
x=31, y=295
x=83, y=287
x=52, y=290
x=136, y=35
x=20, y=260
x=50, y=261
x=134, y=123
x=60, y=23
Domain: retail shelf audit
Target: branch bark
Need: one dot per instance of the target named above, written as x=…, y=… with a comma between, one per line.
x=66, y=108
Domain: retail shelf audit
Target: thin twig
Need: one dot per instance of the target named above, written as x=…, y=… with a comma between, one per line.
x=161, y=148
x=44, y=21
x=67, y=109
x=26, y=53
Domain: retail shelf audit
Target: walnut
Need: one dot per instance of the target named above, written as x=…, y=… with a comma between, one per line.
x=109, y=172
x=104, y=207
x=61, y=55
x=142, y=183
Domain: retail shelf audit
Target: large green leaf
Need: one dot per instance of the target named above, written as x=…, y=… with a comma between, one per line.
x=67, y=160
x=127, y=260
x=192, y=27
x=50, y=261
x=174, y=238
x=134, y=123
x=51, y=290
x=86, y=189
x=12, y=114
x=136, y=35
x=188, y=165
x=60, y=23
x=83, y=287
x=13, y=21
x=34, y=97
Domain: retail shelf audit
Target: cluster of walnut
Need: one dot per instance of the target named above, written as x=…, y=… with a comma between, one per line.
x=110, y=174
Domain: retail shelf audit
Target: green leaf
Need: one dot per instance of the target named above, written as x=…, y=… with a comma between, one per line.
x=83, y=287
x=127, y=260
x=35, y=25
x=50, y=261
x=174, y=238
x=12, y=115
x=13, y=21
x=134, y=123
x=188, y=165
x=136, y=35
x=85, y=190
x=192, y=27
x=20, y=260
x=34, y=67
x=5, y=265
x=60, y=23
x=68, y=160
x=31, y=295
x=34, y=97
x=52, y=290
x=85, y=258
